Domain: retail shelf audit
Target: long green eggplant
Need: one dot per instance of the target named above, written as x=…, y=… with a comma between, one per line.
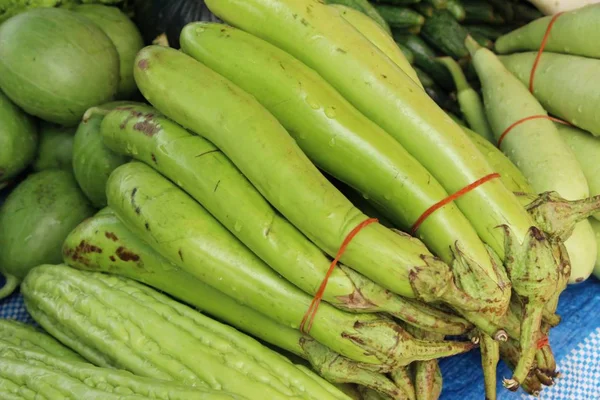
x=402, y=378
x=575, y=32
x=536, y=285
x=379, y=37
x=596, y=227
x=92, y=161
x=427, y=374
x=344, y=143
x=510, y=175
x=364, y=7
x=471, y=105
x=370, y=81
x=563, y=84
x=182, y=231
x=208, y=104
x=587, y=151
x=222, y=189
x=105, y=232
x=555, y=215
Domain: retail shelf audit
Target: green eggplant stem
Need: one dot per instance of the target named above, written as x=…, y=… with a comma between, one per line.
x=338, y=369
x=558, y=216
x=94, y=111
x=471, y=44
x=510, y=354
x=490, y=355
x=402, y=379
x=9, y=286
x=532, y=319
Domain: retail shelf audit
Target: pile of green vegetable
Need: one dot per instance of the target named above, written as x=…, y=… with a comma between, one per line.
x=174, y=236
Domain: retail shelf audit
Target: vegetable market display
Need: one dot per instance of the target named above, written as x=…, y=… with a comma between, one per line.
x=292, y=199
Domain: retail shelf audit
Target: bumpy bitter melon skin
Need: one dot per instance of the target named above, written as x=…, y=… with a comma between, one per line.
x=23, y=371
x=18, y=139
x=27, y=337
x=116, y=322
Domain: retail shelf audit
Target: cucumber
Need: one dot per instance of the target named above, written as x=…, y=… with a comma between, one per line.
x=399, y=17
x=445, y=33
x=481, y=12
x=18, y=139
x=491, y=32
x=526, y=13
x=505, y=8
x=424, y=9
x=437, y=4
x=457, y=10
x=425, y=59
x=35, y=219
x=55, y=150
x=55, y=64
x=365, y=7
x=397, y=2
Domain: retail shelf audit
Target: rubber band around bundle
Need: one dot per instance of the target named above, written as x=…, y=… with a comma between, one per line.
x=450, y=199
x=309, y=317
x=543, y=342
x=541, y=50
x=519, y=122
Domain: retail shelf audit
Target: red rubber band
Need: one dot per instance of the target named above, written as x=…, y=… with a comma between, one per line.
x=519, y=122
x=309, y=317
x=541, y=50
x=543, y=342
x=450, y=199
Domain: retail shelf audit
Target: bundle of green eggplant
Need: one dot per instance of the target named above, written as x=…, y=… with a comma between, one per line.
x=538, y=108
x=228, y=187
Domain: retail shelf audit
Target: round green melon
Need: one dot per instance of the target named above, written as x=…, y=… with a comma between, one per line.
x=55, y=150
x=34, y=222
x=56, y=63
x=125, y=36
x=18, y=139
